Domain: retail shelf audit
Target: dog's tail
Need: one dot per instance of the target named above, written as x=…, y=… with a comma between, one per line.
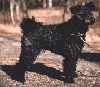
x=29, y=25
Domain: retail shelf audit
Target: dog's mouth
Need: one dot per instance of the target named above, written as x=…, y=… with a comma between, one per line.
x=90, y=21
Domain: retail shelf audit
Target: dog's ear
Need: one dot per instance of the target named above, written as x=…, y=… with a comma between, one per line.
x=75, y=9
x=90, y=5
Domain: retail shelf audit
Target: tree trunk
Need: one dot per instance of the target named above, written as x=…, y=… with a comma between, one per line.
x=74, y=2
x=3, y=6
x=44, y=4
x=67, y=5
x=18, y=4
x=24, y=8
x=99, y=11
x=50, y=3
x=11, y=10
x=18, y=10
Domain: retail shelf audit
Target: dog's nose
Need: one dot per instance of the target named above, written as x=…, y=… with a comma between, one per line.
x=93, y=20
x=90, y=21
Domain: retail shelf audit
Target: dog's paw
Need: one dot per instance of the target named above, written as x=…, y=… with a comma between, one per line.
x=69, y=80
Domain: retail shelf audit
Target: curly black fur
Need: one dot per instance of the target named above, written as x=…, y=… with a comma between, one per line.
x=65, y=39
x=28, y=25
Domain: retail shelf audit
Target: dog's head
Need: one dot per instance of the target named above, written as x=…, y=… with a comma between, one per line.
x=84, y=12
x=29, y=24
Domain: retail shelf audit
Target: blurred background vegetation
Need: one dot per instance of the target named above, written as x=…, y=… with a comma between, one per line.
x=12, y=11
x=33, y=4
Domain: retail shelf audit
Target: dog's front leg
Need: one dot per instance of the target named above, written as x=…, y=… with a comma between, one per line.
x=69, y=65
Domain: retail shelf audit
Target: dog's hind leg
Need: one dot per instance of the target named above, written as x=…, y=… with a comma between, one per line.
x=25, y=62
x=29, y=52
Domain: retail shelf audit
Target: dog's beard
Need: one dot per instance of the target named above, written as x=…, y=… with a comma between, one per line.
x=90, y=21
x=87, y=21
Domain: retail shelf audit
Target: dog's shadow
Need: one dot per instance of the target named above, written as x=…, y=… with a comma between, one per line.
x=38, y=68
x=45, y=70
x=92, y=57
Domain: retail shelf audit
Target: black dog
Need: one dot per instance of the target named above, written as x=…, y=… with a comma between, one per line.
x=66, y=39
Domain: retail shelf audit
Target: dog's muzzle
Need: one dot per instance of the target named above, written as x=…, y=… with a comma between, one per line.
x=90, y=21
